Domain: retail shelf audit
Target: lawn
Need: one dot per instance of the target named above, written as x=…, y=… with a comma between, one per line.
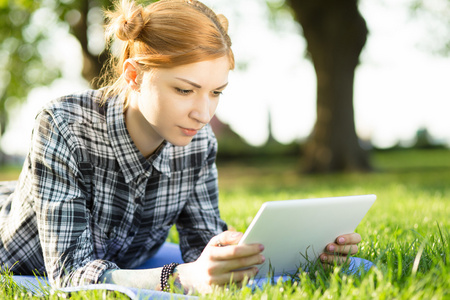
x=406, y=233
x=9, y=172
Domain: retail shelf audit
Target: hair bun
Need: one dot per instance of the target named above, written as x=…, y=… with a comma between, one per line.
x=223, y=21
x=127, y=22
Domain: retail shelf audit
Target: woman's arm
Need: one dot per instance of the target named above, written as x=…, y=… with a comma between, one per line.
x=216, y=266
x=141, y=279
x=61, y=206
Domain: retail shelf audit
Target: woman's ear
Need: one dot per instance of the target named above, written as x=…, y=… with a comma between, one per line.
x=130, y=72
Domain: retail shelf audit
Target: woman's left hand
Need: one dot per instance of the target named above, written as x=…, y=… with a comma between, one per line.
x=344, y=245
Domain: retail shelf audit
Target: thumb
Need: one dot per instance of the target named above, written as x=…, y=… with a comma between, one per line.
x=226, y=238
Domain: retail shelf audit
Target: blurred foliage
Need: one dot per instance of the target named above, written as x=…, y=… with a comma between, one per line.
x=435, y=13
x=9, y=172
x=27, y=29
x=436, y=16
x=238, y=150
x=22, y=45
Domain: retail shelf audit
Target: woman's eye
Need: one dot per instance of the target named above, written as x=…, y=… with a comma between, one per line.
x=217, y=93
x=183, y=92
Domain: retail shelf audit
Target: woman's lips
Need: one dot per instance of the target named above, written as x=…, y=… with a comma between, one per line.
x=189, y=131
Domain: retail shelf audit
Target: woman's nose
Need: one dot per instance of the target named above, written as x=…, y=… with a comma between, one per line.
x=201, y=110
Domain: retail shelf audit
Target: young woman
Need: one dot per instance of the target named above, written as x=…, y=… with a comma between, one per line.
x=110, y=171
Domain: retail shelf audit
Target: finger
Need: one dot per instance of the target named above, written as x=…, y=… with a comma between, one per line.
x=239, y=276
x=230, y=237
x=226, y=238
x=235, y=252
x=348, y=239
x=342, y=249
x=333, y=259
x=235, y=265
x=235, y=276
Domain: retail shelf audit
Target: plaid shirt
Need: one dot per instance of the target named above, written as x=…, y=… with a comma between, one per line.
x=87, y=200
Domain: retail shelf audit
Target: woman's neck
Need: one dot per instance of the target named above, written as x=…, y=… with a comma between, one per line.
x=142, y=133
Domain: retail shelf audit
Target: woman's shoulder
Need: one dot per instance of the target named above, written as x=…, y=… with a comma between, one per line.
x=80, y=107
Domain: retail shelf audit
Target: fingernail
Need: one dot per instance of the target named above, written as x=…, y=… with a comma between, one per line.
x=331, y=248
x=235, y=234
x=341, y=240
x=323, y=257
x=263, y=258
x=261, y=247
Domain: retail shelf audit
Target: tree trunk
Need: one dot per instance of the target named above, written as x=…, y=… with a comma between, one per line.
x=92, y=64
x=335, y=33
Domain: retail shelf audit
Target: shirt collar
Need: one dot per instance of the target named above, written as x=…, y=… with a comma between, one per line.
x=160, y=160
x=131, y=161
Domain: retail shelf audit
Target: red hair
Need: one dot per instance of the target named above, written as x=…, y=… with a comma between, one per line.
x=166, y=34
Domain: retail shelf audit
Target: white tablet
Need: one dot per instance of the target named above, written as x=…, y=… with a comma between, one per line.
x=292, y=230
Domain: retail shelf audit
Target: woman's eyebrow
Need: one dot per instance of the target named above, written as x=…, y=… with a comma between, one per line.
x=222, y=87
x=198, y=85
x=190, y=82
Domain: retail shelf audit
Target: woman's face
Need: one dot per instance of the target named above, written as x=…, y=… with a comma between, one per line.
x=177, y=102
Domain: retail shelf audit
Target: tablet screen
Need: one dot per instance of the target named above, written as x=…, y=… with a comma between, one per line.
x=294, y=232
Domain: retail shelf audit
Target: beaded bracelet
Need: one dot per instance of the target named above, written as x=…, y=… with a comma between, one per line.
x=167, y=270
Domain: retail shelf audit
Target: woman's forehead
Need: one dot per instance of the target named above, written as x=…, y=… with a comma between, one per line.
x=213, y=71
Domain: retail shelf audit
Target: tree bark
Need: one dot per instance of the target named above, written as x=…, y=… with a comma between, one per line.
x=335, y=33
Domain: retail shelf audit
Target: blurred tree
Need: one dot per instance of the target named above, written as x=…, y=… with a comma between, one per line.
x=85, y=19
x=25, y=38
x=335, y=33
x=21, y=64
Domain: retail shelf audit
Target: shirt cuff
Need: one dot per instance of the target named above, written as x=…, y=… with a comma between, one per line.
x=88, y=274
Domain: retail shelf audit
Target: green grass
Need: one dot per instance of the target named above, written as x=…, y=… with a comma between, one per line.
x=406, y=233
x=9, y=172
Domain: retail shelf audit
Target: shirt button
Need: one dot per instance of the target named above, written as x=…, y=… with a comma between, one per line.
x=138, y=200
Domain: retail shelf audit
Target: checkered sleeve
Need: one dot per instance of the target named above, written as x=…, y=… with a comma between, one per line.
x=200, y=219
x=60, y=205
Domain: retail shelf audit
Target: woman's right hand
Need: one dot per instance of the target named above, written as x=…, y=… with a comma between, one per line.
x=221, y=261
